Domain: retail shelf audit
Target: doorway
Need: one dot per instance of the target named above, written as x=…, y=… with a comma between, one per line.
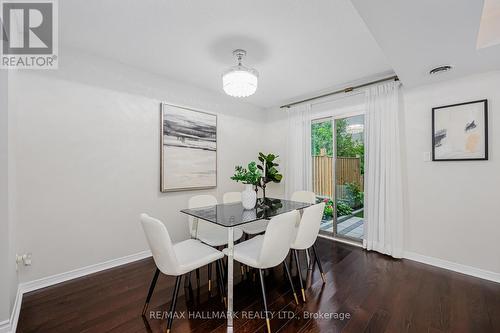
x=338, y=174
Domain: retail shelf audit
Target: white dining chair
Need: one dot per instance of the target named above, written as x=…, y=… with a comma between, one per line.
x=304, y=196
x=176, y=259
x=269, y=250
x=209, y=233
x=305, y=236
x=253, y=228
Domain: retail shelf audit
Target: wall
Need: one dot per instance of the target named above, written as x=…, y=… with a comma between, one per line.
x=8, y=274
x=4, y=198
x=451, y=205
x=87, y=154
x=452, y=213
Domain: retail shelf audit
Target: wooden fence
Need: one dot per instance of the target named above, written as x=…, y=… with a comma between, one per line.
x=348, y=170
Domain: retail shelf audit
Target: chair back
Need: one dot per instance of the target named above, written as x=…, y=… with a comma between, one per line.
x=160, y=244
x=277, y=239
x=230, y=197
x=309, y=225
x=304, y=196
x=199, y=201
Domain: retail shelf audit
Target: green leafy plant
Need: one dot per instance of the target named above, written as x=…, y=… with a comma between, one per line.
x=268, y=167
x=271, y=173
x=328, y=212
x=343, y=208
x=252, y=175
x=355, y=196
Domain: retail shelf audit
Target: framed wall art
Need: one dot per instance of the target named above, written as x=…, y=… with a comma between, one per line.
x=188, y=149
x=460, y=132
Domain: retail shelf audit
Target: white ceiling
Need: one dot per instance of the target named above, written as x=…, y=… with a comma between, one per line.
x=419, y=35
x=298, y=47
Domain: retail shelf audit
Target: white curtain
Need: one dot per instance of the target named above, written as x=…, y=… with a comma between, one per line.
x=383, y=180
x=298, y=173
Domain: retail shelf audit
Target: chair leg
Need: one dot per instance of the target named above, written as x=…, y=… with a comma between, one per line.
x=287, y=270
x=209, y=278
x=261, y=274
x=310, y=262
x=242, y=269
x=220, y=280
x=170, y=318
x=319, y=263
x=150, y=292
x=198, y=278
x=299, y=271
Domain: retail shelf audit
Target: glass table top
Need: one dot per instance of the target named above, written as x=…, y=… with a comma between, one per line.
x=233, y=214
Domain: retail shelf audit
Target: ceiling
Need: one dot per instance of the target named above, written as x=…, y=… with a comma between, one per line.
x=419, y=35
x=298, y=47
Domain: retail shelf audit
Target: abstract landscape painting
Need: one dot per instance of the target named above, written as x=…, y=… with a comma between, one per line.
x=188, y=149
x=460, y=132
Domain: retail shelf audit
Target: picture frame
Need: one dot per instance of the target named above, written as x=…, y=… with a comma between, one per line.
x=188, y=148
x=460, y=131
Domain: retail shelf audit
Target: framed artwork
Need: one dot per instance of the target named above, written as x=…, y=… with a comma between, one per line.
x=460, y=132
x=188, y=149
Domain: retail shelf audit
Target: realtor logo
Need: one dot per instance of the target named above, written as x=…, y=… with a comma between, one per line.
x=29, y=34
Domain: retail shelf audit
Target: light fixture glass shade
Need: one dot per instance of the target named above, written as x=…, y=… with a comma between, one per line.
x=240, y=81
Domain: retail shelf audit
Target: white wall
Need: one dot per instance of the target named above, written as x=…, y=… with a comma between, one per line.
x=452, y=205
x=4, y=198
x=87, y=154
x=451, y=210
x=8, y=275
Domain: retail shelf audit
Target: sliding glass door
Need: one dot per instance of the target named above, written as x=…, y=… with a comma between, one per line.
x=338, y=174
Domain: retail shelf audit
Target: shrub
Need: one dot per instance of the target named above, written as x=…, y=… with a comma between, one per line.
x=343, y=208
x=355, y=197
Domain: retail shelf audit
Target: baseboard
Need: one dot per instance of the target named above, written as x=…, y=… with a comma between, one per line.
x=453, y=266
x=441, y=263
x=79, y=272
x=10, y=326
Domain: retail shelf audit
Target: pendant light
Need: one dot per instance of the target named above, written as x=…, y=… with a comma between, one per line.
x=240, y=81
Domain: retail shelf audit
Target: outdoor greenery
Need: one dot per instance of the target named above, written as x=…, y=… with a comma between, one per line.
x=342, y=208
x=322, y=137
x=251, y=175
x=346, y=145
x=355, y=197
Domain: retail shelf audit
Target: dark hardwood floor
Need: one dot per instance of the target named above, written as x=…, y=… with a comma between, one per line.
x=372, y=292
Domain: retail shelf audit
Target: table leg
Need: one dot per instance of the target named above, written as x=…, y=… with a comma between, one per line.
x=230, y=248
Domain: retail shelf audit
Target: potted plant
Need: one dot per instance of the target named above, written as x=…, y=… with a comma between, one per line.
x=271, y=173
x=250, y=177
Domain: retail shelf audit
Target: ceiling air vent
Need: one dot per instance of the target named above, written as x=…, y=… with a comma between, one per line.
x=440, y=69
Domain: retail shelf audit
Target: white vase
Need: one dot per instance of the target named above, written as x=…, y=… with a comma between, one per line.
x=248, y=197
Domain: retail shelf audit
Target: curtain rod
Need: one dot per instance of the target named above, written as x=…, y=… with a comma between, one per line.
x=345, y=90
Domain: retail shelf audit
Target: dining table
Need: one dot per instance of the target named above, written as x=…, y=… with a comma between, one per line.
x=232, y=215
